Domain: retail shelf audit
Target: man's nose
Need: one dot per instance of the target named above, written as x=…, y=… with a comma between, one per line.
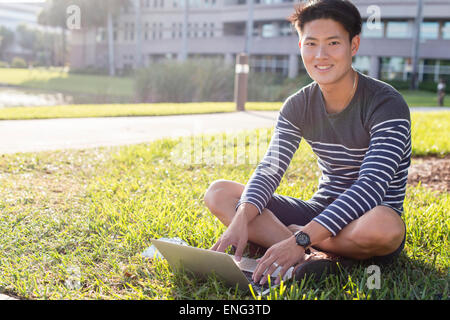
x=321, y=51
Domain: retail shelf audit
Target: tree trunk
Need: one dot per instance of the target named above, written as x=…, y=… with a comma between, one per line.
x=138, y=28
x=64, y=46
x=111, y=61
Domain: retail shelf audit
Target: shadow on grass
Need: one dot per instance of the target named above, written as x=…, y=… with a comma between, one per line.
x=403, y=279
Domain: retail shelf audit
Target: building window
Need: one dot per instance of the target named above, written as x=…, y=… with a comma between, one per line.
x=362, y=64
x=429, y=30
x=205, y=26
x=270, y=63
x=394, y=68
x=125, y=31
x=269, y=30
x=399, y=29
x=285, y=28
x=132, y=31
x=372, y=30
x=446, y=30
x=146, y=31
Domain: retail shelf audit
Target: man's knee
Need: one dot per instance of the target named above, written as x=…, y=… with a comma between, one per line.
x=382, y=232
x=212, y=194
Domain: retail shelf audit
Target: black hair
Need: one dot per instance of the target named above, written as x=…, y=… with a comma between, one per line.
x=341, y=11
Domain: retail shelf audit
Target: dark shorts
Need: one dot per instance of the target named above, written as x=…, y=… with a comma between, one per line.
x=290, y=210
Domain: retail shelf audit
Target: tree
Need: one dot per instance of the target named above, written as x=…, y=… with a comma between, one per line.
x=55, y=14
x=100, y=13
x=41, y=44
x=6, y=39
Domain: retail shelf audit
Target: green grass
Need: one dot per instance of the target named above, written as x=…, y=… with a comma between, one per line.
x=95, y=211
x=125, y=110
x=128, y=110
x=430, y=133
x=62, y=81
x=422, y=98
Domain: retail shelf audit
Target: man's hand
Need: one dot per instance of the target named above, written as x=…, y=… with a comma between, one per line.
x=283, y=254
x=236, y=235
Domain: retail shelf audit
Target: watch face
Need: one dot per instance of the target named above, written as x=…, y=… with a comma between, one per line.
x=302, y=239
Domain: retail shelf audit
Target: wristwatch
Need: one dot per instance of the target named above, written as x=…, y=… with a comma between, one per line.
x=302, y=239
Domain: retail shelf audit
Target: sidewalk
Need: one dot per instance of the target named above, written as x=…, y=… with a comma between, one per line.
x=80, y=133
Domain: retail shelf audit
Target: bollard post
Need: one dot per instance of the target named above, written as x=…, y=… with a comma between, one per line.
x=240, y=81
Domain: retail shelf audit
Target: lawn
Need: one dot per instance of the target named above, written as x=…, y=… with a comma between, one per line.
x=74, y=223
x=126, y=110
x=62, y=81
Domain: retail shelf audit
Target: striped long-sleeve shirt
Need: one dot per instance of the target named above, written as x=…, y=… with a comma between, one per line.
x=363, y=152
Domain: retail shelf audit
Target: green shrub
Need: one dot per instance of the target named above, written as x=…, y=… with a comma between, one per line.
x=425, y=85
x=209, y=80
x=432, y=86
x=398, y=84
x=4, y=64
x=90, y=70
x=190, y=81
x=18, y=62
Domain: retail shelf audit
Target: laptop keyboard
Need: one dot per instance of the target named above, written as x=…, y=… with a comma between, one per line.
x=259, y=287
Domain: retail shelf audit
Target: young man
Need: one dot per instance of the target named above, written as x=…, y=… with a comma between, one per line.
x=358, y=127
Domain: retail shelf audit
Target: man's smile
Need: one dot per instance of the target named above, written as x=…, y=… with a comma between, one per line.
x=323, y=67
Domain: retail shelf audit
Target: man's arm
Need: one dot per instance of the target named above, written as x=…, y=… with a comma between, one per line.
x=390, y=145
x=262, y=185
x=268, y=174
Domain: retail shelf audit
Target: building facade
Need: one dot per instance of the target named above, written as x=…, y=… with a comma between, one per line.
x=13, y=15
x=217, y=28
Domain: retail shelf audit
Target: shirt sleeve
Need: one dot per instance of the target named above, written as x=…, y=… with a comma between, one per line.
x=389, y=149
x=269, y=172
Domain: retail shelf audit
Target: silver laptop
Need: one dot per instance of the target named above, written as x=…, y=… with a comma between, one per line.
x=203, y=262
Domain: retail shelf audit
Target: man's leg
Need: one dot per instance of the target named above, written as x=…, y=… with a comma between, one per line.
x=378, y=232
x=265, y=230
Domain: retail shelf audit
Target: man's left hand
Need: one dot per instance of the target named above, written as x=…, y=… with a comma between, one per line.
x=283, y=254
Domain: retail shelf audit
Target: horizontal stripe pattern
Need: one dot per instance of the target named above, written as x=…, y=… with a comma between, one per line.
x=269, y=172
x=357, y=179
x=380, y=179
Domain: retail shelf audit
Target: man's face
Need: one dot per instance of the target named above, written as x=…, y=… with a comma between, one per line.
x=326, y=50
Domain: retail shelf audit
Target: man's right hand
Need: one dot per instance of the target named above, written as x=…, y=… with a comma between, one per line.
x=235, y=235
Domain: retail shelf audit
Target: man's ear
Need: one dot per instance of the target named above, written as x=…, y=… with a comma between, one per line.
x=355, y=44
x=300, y=44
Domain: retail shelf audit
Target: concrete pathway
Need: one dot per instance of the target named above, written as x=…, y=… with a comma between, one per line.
x=53, y=134
x=80, y=133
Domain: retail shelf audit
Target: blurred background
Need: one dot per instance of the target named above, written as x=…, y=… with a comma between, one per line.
x=127, y=51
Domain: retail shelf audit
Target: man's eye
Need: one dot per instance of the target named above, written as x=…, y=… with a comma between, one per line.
x=309, y=43
x=333, y=43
